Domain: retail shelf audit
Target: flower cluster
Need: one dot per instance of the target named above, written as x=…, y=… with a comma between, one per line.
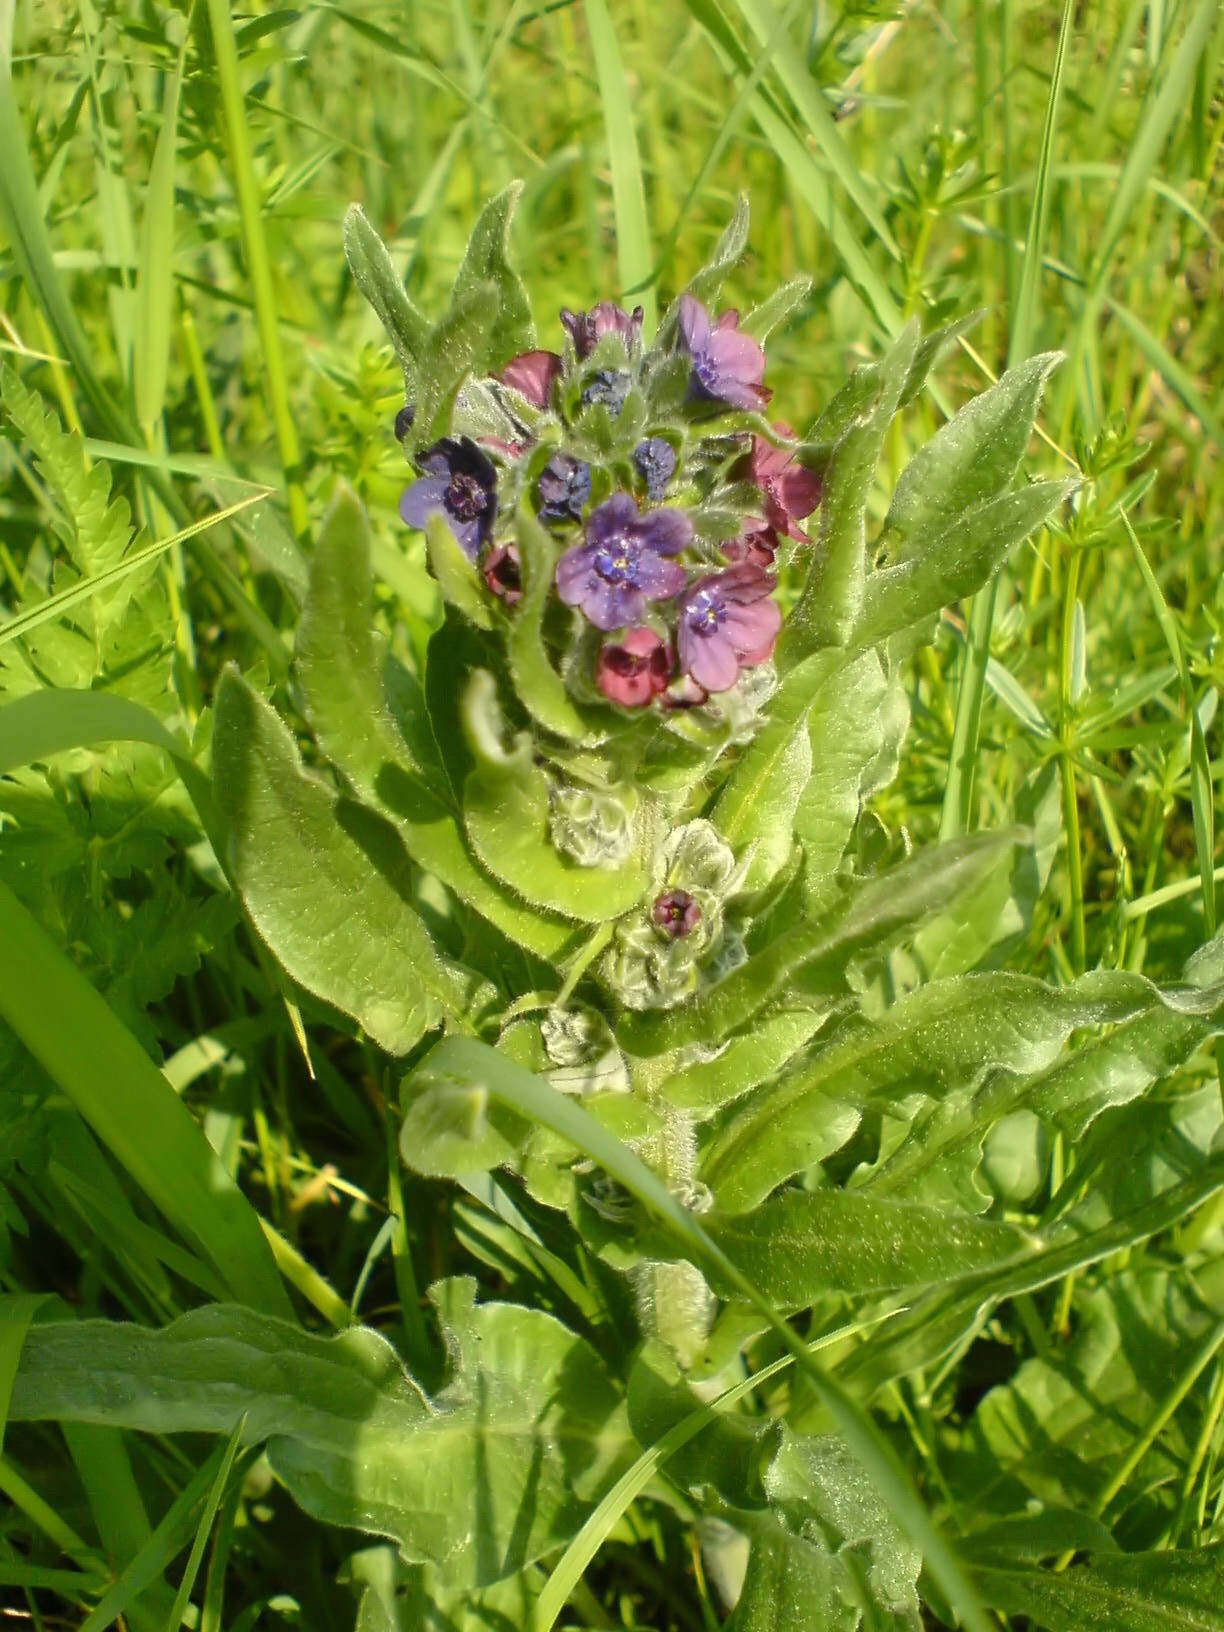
x=664, y=491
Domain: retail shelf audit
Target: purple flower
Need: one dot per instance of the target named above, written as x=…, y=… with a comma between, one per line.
x=727, y=365
x=623, y=563
x=503, y=573
x=656, y=463
x=676, y=914
x=636, y=669
x=727, y=623
x=460, y=484
x=756, y=543
x=609, y=386
x=532, y=374
x=587, y=329
x=563, y=488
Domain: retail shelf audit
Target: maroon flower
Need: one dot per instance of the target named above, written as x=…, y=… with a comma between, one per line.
x=532, y=374
x=727, y=365
x=757, y=544
x=791, y=491
x=727, y=623
x=460, y=483
x=676, y=914
x=623, y=563
x=503, y=573
x=634, y=670
x=587, y=329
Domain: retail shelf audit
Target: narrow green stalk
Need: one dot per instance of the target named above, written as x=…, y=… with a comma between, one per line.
x=259, y=265
x=1066, y=765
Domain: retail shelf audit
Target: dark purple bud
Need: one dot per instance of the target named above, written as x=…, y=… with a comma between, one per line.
x=756, y=544
x=676, y=914
x=624, y=562
x=587, y=329
x=609, y=386
x=563, y=488
x=503, y=573
x=655, y=459
x=727, y=365
x=636, y=669
x=460, y=483
x=403, y=421
x=532, y=374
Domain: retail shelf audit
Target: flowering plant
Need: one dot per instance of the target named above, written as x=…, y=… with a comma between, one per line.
x=608, y=837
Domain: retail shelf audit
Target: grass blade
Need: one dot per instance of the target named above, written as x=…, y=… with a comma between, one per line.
x=131, y=1107
x=635, y=260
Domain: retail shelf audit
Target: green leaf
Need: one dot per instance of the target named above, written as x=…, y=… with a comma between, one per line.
x=456, y=345
x=970, y=459
x=506, y=815
x=728, y=252
x=957, y=562
x=327, y=884
x=403, y=777
x=497, y=1469
x=486, y=264
x=131, y=1107
x=832, y=598
x=737, y=1068
x=762, y=320
x=1137, y=1592
x=455, y=574
x=802, y=1244
x=375, y=275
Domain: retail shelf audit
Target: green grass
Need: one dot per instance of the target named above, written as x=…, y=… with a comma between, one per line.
x=172, y=280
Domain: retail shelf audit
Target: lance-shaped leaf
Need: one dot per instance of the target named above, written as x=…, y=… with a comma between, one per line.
x=802, y=1244
x=957, y=561
x=485, y=266
x=735, y=1070
x=938, y=1320
x=1136, y=1592
x=495, y=1470
x=942, y=1041
x=832, y=598
x=969, y=460
x=339, y=672
x=327, y=884
x=375, y=275
x=458, y=344
x=705, y=285
x=929, y=348
x=506, y=814
x=455, y=574
x=762, y=320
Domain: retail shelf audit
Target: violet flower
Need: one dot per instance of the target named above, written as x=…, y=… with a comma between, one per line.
x=460, y=484
x=563, y=488
x=676, y=914
x=623, y=563
x=655, y=459
x=636, y=669
x=791, y=491
x=727, y=623
x=587, y=329
x=532, y=374
x=503, y=573
x=727, y=365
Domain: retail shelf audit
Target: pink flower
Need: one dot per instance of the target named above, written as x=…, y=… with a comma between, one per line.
x=727, y=365
x=676, y=914
x=532, y=375
x=791, y=491
x=727, y=623
x=587, y=329
x=757, y=544
x=634, y=670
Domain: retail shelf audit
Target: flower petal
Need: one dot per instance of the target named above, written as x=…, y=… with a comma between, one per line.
x=710, y=659
x=575, y=571
x=665, y=531
x=694, y=323
x=610, y=519
x=659, y=578
x=422, y=500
